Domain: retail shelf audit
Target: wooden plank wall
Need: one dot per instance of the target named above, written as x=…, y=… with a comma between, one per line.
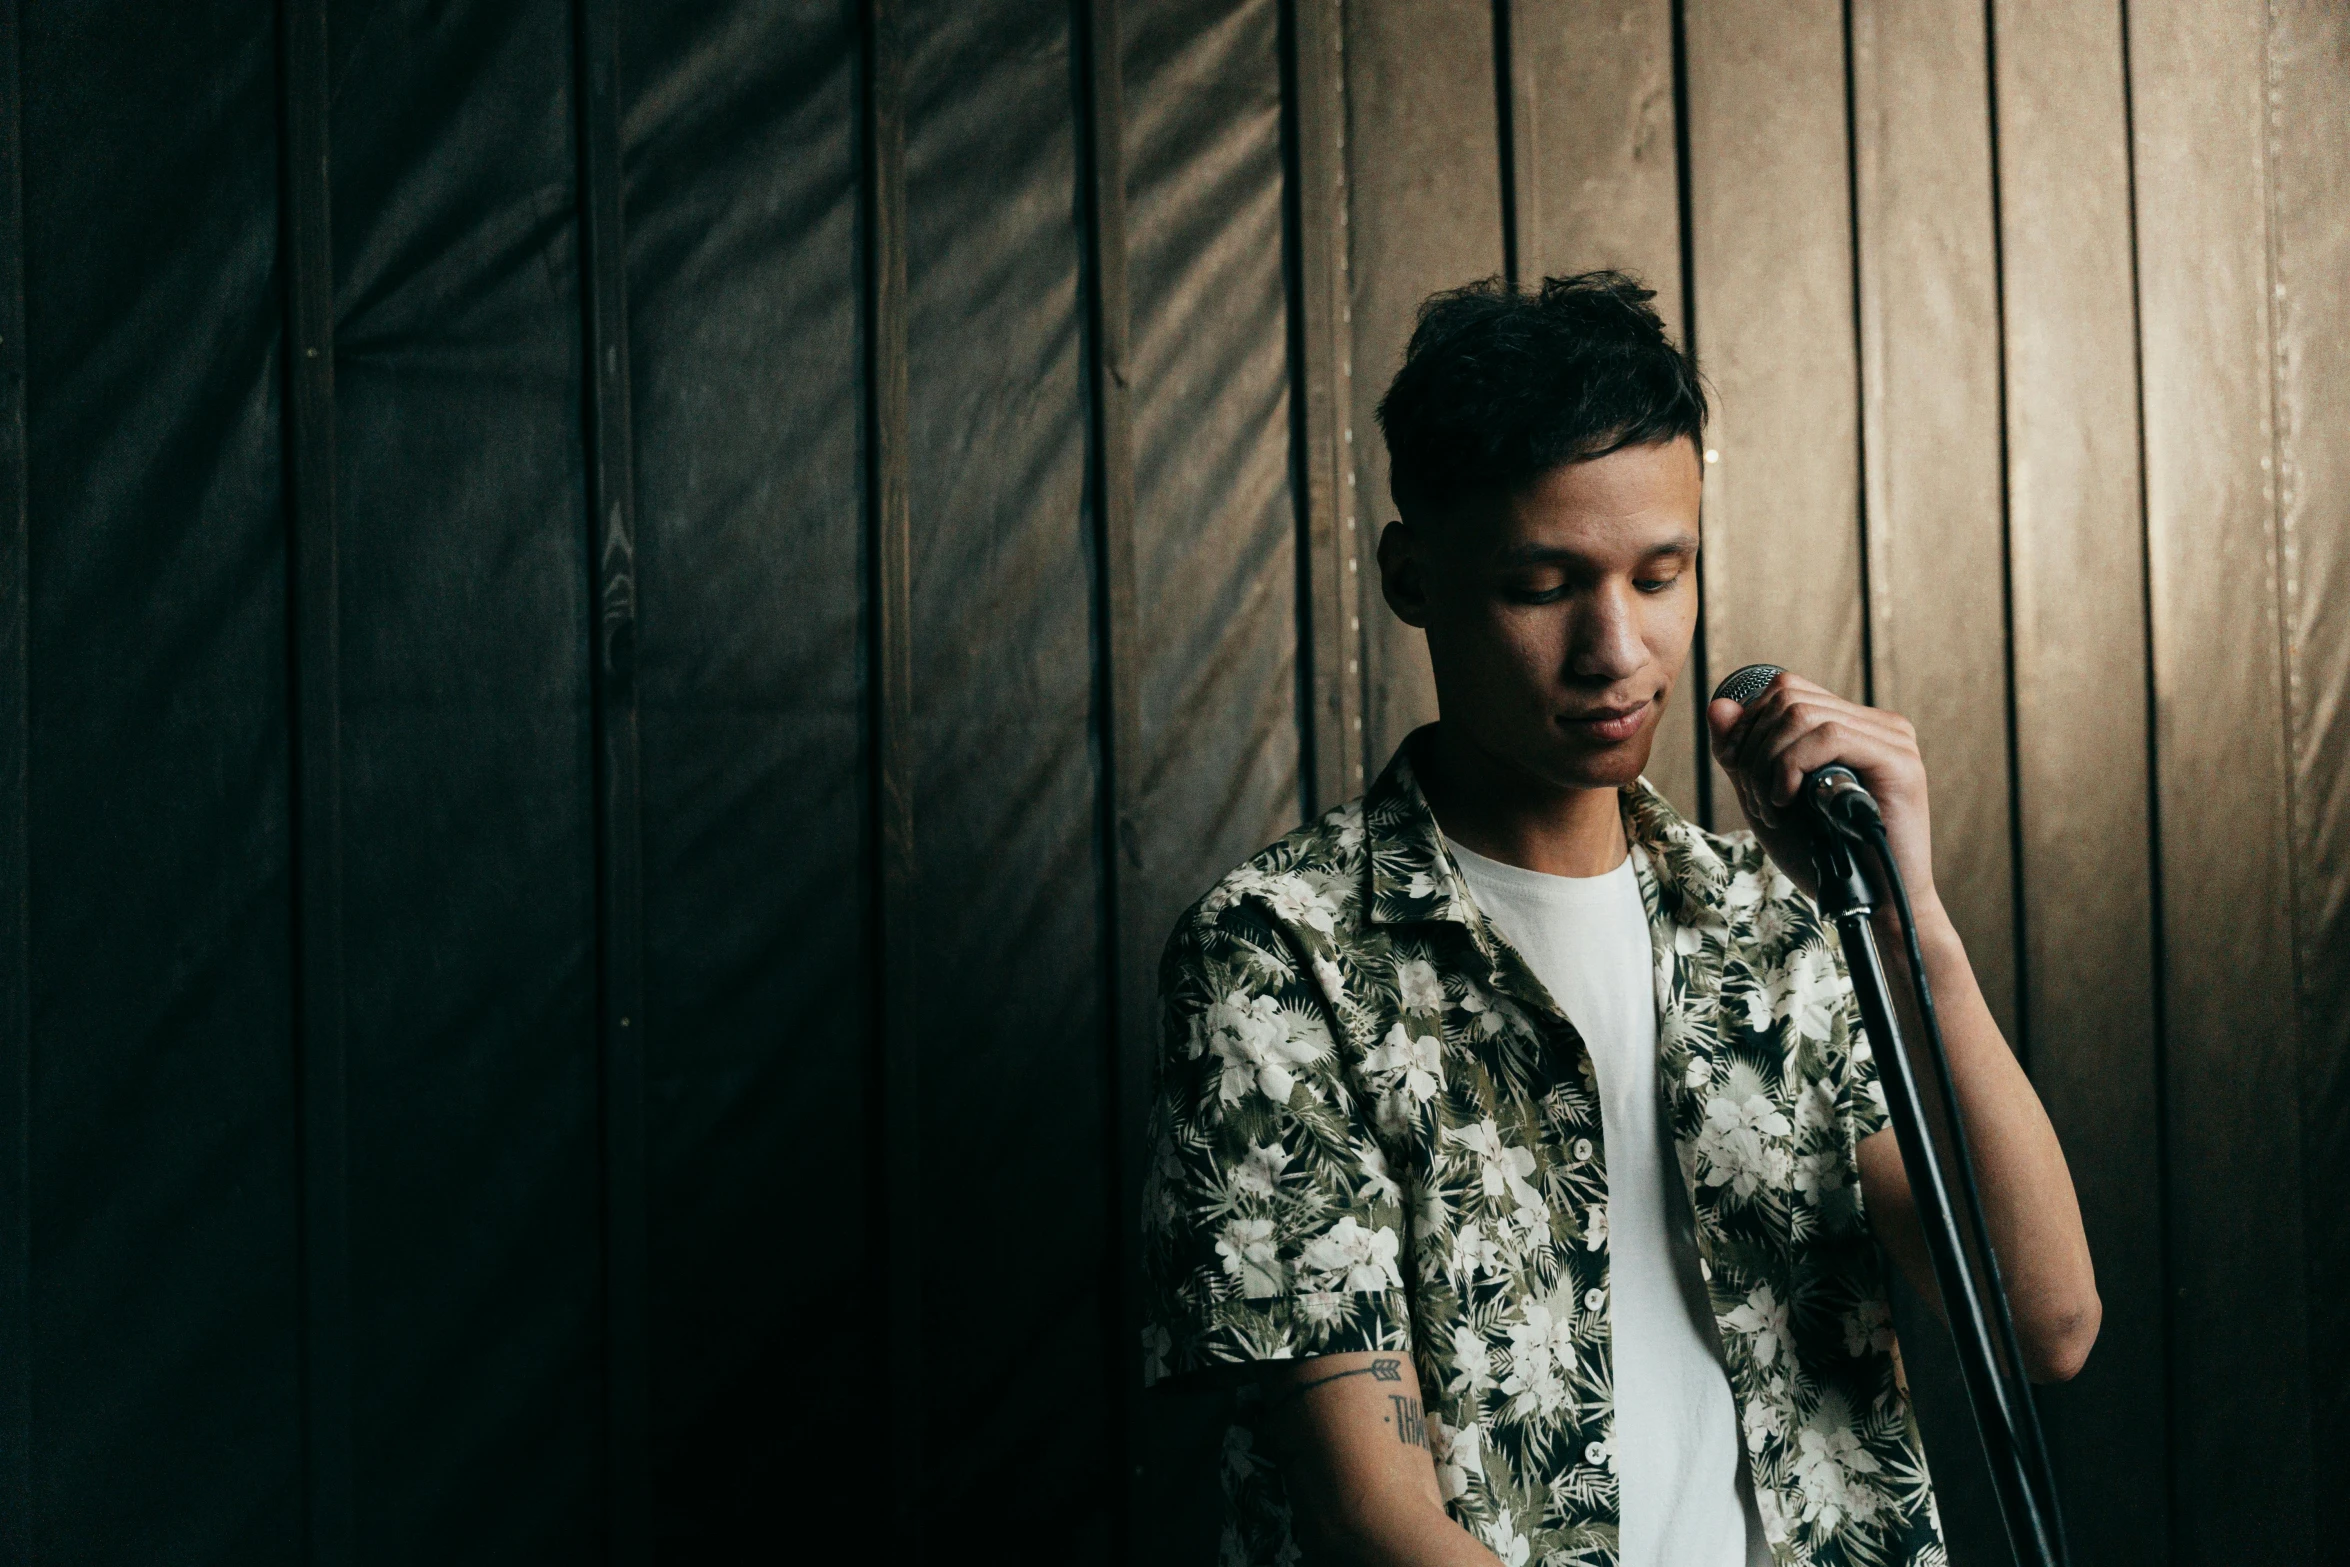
x=983, y=433
x=2023, y=326
x=2076, y=579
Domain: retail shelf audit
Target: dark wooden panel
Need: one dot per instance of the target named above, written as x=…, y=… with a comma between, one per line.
x=306, y=270
x=742, y=152
x=16, y=1195
x=1216, y=556
x=165, y=1267
x=2077, y=579
x=1014, y=1097
x=1771, y=246
x=1595, y=159
x=1930, y=434
x=896, y=1157
x=471, y=845
x=610, y=523
x=2309, y=106
x=2240, y=1317
x=1216, y=566
x=1424, y=212
x=1122, y=858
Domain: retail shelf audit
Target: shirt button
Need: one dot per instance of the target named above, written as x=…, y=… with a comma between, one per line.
x=1594, y=1453
x=1582, y=1147
x=1592, y=1299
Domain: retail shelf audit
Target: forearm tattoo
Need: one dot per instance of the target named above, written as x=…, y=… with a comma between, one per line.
x=1384, y=1369
x=1410, y=1422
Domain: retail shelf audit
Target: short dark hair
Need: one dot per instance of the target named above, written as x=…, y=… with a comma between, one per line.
x=1502, y=384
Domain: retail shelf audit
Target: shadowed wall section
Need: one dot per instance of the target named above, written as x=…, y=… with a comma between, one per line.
x=397, y=1165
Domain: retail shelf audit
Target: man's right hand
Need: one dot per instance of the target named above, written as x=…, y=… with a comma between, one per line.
x=1351, y=1437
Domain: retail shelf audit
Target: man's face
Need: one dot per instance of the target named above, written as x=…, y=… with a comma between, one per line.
x=1559, y=617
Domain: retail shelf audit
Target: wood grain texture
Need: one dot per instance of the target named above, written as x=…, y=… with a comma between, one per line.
x=1930, y=435
x=1424, y=213
x=1931, y=482
x=1016, y=1103
x=742, y=139
x=1771, y=247
x=2239, y=1330
x=2309, y=186
x=2076, y=575
x=1224, y=717
x=1320, y=324
x=1592, y=124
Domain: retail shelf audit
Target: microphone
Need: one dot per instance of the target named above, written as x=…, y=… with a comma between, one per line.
x=1832, y=793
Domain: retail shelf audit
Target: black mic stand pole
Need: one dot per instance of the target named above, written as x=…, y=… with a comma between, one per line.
x=1996, y=1385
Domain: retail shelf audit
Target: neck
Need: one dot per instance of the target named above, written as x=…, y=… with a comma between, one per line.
x=1505, y=813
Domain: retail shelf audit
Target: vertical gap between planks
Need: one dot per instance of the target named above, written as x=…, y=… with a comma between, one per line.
x=1126, y=970
x=1350, y=584
x=314, y=611
x=16, y=1048
x=1329, y=625
x=1860, y=387
x=620, y=1021
x=2152, y=697
x=893, y=1165
x=1697, y=679
x=2019, y=947
x=1309, y=503
x=1506, y=137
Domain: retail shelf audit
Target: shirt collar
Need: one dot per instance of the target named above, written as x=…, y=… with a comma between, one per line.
x=1413, y=878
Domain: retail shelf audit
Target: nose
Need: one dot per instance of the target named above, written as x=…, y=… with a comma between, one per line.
x=1607, y=645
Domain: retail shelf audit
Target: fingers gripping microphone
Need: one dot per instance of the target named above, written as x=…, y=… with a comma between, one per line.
x=1832, y=793
x=1982, y=1323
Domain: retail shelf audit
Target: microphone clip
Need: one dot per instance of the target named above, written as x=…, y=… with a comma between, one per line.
x=1843, y=813
x=1835, y=796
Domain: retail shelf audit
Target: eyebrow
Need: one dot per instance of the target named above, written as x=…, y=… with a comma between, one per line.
x=1544, y=555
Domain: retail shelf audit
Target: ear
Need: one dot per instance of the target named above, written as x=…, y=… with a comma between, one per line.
x=1403, y=574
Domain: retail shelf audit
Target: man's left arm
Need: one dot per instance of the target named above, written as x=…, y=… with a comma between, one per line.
x=2028, y=1201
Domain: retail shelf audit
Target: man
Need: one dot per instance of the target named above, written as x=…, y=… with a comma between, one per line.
x=1515, y=1138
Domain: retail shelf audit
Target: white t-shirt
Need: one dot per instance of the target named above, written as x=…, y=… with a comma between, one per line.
x=1683, y=1486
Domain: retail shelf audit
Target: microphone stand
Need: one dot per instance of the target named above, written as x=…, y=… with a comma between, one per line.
x=1997, y=1389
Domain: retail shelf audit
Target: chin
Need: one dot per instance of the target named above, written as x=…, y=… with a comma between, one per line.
x=1606, y=767
x=1614, y=772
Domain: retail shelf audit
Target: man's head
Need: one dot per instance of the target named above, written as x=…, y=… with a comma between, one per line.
x=1544, y=454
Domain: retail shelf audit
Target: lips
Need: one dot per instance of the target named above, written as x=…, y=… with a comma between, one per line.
x=1608, y=725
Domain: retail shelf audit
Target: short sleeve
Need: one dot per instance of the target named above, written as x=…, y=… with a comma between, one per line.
x=1271, y=1229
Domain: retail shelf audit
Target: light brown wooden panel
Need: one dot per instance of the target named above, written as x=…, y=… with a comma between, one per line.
x=2239, y=1339
x=2309, y=63
x=1930, y=432
x=1771, y=241
x=1591, y=113
x=1931, y=478
x=2076, y=573
x=1423, y=152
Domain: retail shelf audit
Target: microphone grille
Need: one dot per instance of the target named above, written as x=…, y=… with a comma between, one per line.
x=1744, y=685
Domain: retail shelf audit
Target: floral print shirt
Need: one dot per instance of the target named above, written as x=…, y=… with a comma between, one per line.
x=1374, y=1130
